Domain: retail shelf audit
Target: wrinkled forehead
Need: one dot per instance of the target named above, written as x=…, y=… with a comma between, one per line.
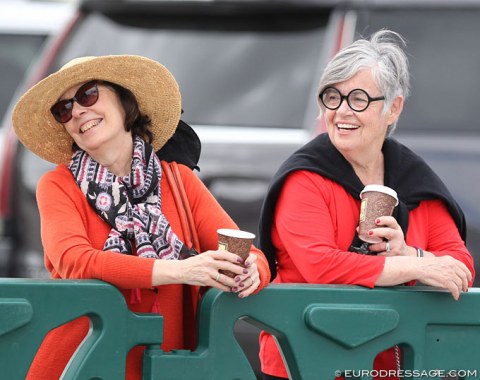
x=363, y=79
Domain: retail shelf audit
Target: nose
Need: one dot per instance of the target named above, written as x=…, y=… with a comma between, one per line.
x=344, y=108
x=77, y=110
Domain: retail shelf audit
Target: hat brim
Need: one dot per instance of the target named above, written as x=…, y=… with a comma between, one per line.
x=154, y=87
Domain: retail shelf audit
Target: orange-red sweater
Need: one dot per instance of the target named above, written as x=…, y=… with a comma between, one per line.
x=73, y=236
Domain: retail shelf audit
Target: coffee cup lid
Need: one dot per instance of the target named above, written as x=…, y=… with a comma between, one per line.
x=236, y=233
x=381, y=189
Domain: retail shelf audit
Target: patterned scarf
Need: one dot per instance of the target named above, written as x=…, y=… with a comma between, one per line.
x=130, y=204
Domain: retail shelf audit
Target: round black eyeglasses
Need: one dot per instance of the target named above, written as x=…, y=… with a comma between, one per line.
x=357, y=99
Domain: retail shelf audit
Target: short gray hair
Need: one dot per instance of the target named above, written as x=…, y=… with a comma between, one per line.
x=383, y=54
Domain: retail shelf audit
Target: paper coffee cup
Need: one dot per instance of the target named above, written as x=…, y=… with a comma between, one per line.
x=377, y=200
x=235, y=241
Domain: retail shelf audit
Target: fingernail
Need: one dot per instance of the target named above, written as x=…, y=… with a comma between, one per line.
x=241, y=285
x=239, y=260
x=240, y=295
x=377, y=221
x=237, y=279
x=370, y=233
x=235, y=289
x=247, y=264
x=245, y=271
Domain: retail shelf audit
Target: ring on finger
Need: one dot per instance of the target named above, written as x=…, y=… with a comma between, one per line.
x=218, y=276
x=387, y=246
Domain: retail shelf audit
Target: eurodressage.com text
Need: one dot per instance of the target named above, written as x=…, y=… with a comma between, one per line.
x=416, y=374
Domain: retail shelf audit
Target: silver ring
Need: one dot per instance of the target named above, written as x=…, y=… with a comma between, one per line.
x=218, y=276
x=387, y=246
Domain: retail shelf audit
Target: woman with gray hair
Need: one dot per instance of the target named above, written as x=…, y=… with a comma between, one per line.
x=308, y=226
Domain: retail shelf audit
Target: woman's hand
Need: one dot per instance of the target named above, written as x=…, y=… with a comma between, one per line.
x=394, y=240
x=441, y=271
x=445, y=272
x=249, y=280
x=202, y=270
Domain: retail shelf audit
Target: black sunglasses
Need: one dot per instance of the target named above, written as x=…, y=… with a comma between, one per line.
x=358, y=99
x=86, y=96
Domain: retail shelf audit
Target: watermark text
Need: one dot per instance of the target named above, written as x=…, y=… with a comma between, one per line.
x=406, y=373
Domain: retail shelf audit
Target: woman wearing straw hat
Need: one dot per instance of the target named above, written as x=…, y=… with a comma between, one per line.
x=106, y=210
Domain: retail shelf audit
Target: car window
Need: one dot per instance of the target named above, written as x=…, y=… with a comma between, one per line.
x=16, y=54
x=441, y=52
x=224, y=65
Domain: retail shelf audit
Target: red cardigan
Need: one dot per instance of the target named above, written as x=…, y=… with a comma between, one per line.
x=313, y=227
x=73, y=236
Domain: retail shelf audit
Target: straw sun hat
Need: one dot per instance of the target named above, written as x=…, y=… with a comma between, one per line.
x=154, y=87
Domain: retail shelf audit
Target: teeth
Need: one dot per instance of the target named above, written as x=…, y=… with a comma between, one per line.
x=85, y=127
x=347, y=126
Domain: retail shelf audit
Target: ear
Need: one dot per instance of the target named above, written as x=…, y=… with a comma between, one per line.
x=395, y=109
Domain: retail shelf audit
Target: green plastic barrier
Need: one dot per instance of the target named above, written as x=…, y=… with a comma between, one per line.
x=321, y=329
x=326, y=329
x=30, y=308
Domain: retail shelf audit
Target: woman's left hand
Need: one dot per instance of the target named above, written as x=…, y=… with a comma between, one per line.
x=249, y=281
x=389, y=230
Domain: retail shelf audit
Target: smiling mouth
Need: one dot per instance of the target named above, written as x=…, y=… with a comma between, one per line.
x=347, y=127
x=89, y=125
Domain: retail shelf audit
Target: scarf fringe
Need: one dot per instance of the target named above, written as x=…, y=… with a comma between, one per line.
x=135, y=296
x=156, y=307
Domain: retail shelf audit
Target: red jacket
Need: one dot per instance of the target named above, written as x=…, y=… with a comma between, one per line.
x=313, y=227
x=73, y=236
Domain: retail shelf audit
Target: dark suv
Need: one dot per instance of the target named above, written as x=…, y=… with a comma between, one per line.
x=248, y=72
